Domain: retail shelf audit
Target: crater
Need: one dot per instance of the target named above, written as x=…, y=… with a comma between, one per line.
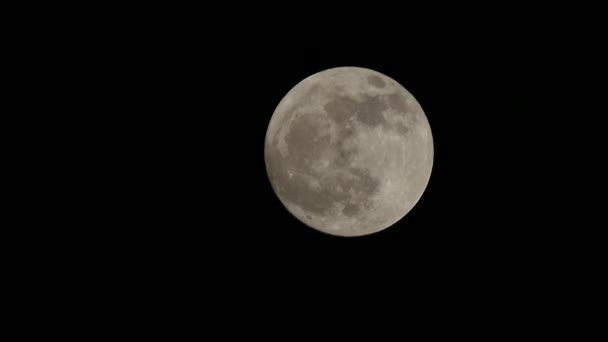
x=341, y=108
x=308, y=136
x=376, y=81
x=344, y=150
x=350, y=210
x=398, y=102
x=343, y=155
x=401, y=128
x=346, y=132
x=311, y=199
x=365, y=184
x=370, y=111
x=314, y=91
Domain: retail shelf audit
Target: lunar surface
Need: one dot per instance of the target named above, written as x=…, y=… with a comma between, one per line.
x=349, y=151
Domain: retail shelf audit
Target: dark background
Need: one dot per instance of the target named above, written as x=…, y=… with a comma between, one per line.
x=183, y=109
x=200, y=120
x=142, y=197
x=154, y=122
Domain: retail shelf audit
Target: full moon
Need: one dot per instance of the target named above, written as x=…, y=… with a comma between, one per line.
x=349, y=151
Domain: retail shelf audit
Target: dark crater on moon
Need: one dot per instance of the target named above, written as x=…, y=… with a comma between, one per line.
x=376, y=81
x=369, y=112
x=304, y=140
x=344, y=152
x=341, y=108
x=397, y=102
x=401, y=128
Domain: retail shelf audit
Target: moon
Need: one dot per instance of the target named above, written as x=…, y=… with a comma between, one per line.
x=349, y=151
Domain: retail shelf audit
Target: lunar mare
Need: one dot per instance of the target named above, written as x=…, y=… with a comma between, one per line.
x=349, y=151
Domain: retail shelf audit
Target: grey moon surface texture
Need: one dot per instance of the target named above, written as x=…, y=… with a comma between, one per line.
x=349, y=151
